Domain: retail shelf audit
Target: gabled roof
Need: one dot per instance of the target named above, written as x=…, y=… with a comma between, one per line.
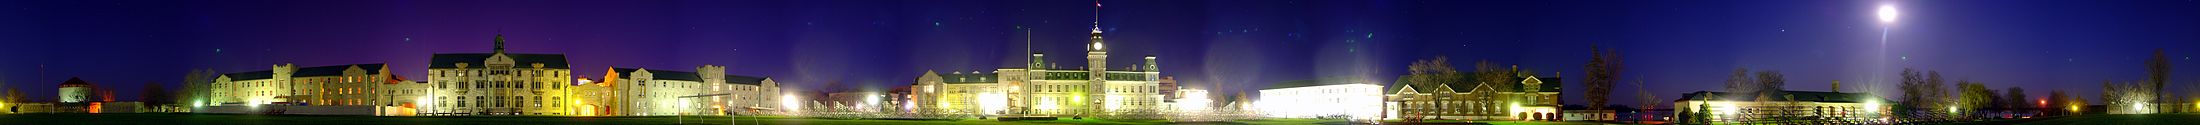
x=1808, y=96
x=476, y=60
x=1550, y=84
x=336, y=70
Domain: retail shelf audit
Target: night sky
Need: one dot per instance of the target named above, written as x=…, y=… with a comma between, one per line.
x=1674, y=46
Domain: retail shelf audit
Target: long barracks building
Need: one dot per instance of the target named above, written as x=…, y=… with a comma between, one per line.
x=1036, y=90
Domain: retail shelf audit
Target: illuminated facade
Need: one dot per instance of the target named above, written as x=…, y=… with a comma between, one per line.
x=1353, y=100
x=76, y=91
x=498, y=83
x=354, y=84
x=1037, y=90
x=647, y=92
x=1534, y=98
x=1729, y=107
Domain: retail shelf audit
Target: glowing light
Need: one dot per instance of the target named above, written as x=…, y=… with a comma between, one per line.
x=788, y=102
x=424, y=101
x=1096, y=46
x=1114, y=102
x=1887, y=13
x=1952, y=109
x=1871, y=105
x=2137, y=107
x=871, y=100
x=1048, y=104
x=992, y=102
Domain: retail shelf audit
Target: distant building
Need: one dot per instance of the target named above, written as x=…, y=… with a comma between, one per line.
x=1355, y=99
x=353, y=84
x=1040, y=90
x=650, y=92
x=1534, y=98
x=77, y=91
x=1727, y=106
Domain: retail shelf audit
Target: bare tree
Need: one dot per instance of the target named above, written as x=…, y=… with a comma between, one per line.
x=1649, y=100
x=1771, y=82
x=2157, y=73
x=1603, y=71
x=1740, y=82
x=2057, y=102
x=155, y=94
x=1497, y=76
x=1430, y=72
x=2017, y=99
x=1913, y=91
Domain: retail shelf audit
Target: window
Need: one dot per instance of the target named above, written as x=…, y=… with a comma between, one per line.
x=481, y=101
x=461, y=101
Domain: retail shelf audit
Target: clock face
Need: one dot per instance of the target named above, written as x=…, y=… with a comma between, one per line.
x=1096, y=46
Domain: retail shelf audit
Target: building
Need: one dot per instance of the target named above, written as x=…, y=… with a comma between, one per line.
x=1038, y=90
x=1762, y=106
x=1533, y=98
x=76, y=91
x=75, y=96
x=498, y=83
x=353, y=84
x=647, y=92
x=1354, y=99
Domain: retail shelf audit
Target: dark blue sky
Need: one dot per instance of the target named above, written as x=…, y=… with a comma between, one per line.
x=1675, y=46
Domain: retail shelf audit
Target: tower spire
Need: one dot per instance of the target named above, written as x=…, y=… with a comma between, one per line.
x=500, y=43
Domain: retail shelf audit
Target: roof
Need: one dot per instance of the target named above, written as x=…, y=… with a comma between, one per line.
x=751, y=80
x=689, y=76
x=1809, y=96
x=970, y=78
x=1550, y=84
x=627, y=73
x=451, y=60
x=336, y=70
x=1333, y=80
x=253, y=75
x=74, y=82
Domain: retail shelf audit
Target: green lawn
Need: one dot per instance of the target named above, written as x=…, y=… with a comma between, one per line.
x=157, y=119
x=2146, y=119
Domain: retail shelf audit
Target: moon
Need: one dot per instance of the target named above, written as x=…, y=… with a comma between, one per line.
x=1887, y=13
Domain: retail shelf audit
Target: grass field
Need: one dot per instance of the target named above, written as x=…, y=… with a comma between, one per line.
x=2146, y=119
x=208, y=119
